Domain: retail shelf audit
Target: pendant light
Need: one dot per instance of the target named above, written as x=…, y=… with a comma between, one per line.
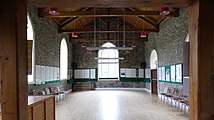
x=83, y=45
x=74, y=34
x=143, y=34
x=53, y=11
x=164, y=11
x=101, y=48
x=133, y=41
x=133, y=45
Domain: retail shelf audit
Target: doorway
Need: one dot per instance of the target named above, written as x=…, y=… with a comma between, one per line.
x=154, y=89
x=154, y=66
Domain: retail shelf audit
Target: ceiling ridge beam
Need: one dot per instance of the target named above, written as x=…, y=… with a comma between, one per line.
x=104, y=13
x=102, y=40
x=107, y=31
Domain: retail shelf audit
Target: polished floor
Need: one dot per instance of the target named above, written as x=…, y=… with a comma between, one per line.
x=115, y=105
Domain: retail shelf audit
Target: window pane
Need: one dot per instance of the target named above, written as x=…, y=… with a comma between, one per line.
x=107, y=67
x=63, y=60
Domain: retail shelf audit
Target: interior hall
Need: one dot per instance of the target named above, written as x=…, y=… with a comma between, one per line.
x=106, y=60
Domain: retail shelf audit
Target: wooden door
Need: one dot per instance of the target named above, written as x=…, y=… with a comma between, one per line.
x=154, y=81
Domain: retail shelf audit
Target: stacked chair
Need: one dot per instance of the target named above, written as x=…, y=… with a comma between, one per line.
x=176, y=96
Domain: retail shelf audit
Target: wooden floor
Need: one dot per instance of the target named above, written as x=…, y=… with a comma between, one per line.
x=115, y=105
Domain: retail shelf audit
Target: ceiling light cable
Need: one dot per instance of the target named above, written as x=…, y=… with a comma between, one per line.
x=94, y=27
x=124, y=43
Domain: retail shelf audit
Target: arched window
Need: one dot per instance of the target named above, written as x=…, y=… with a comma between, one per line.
x=30, y=42
x=154, y=60
x=108, y=63
x=63, y=60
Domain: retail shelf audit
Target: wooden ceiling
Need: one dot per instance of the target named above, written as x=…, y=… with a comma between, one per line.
x=113, y=15
x=110, y=3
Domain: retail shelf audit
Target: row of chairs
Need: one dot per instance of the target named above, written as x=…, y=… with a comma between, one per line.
x=175, y=97
x=56, y=91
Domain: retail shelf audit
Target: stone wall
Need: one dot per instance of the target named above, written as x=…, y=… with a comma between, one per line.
x=82, y=59
x=47, y=42
x=118, y=84
x=39, y=88
x=46, y=39
x=168, y=42
x=132, y=59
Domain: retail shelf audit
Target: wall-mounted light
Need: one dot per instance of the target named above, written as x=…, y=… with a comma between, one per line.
x=164, y=11
x=53, y=11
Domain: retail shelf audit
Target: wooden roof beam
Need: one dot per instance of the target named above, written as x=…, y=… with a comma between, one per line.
x=71, y=19
x=103, y=13
x=110, y=3
x=156, y=26
x=80, y=23
x=66, y=22
x=107, y=31
x=98, y=40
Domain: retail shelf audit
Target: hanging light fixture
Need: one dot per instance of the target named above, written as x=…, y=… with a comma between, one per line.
x=143, y=34
x=83, y=45
x=53, y=11
x=133, y=45
x=101, y=48
x=164, y=11
x=133, y=42
x=74, y=34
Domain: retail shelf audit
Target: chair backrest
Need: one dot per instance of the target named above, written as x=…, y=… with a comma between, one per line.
x=61, y=88
x=34, y=93
x=43, y=92
x=181, y=93
x=58, y=89
x=166, y=89
x=55, y=90
x=47, y=90
x=173, y=90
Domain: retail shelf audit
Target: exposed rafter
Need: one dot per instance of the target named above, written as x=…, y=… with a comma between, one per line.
x=80, y=23
x=156, y=26
x=69, y=20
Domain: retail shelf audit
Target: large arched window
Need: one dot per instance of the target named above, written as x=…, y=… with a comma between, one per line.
x=108, y=63
x=63, y=60
x=30, y=50
x=154, y=60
